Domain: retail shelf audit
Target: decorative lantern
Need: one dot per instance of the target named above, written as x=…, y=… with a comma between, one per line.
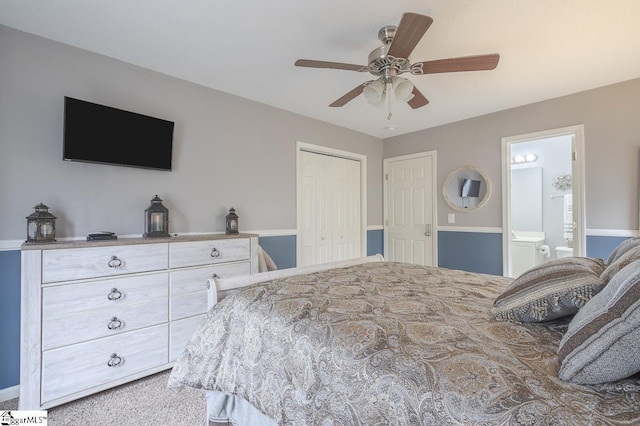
x=232, y=221
x=156, y=220
x=41, y=225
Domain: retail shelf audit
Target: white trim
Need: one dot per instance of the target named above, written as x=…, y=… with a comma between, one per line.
x=375, y=227
x=612, y=233
x=303, y=146
x=434, y=213
x=9, y=393
x=9, y=245
x=475, y=229
x=275, y=232
x=578, y=184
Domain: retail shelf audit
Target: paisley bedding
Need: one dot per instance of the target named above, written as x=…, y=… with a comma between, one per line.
x=386, y=343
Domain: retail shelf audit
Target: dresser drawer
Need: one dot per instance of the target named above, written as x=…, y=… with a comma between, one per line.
x=69, y=299
x=194, y=253
x=83, y=366
x=90, y=262
x=189, y=287
x=180, y=334
x=73, y=313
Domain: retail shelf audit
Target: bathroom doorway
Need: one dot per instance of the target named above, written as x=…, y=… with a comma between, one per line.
x=543, y=198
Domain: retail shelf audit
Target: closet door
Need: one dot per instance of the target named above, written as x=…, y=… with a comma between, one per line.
x=330, y=208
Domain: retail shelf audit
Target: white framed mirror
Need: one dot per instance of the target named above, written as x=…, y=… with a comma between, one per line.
x=466, y=188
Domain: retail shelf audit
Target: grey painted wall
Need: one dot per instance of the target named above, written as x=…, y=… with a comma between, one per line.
x=228, y=151
x=612, y=148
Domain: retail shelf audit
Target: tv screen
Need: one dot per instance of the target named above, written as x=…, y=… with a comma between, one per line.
x=470, y=188
x=101, y=134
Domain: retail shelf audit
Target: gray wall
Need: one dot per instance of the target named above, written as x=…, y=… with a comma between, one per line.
x=612, y=145
x=228, y=151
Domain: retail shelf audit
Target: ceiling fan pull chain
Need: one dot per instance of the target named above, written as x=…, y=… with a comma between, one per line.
x=389, y=90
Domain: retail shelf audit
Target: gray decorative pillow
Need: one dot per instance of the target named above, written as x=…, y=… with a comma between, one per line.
x=550, y=290
x=620, y=262
x=602, y=342
x=622, y=248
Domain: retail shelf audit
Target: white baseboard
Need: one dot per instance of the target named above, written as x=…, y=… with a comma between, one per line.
x=9, y=393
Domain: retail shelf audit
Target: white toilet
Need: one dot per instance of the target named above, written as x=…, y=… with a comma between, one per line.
x=564, y=252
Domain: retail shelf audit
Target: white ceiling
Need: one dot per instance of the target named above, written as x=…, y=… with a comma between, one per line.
x=548, y=48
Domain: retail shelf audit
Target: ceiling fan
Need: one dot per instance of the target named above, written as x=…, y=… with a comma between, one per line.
x=391, y=59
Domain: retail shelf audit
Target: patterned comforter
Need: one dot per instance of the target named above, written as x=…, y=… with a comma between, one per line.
x=393, y=344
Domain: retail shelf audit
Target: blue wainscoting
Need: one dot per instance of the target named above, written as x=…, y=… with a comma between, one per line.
x=281, y=249
x=375, y=242
x=470, y=251
x=598, y=246
x=10, y=319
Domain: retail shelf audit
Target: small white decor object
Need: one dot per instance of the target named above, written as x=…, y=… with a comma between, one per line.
x=562, y=182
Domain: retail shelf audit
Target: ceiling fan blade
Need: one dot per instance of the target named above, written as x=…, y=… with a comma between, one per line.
x=309, y=63
x=465, y=63
x=349, y=96
x=418, y=99
x=410, y=30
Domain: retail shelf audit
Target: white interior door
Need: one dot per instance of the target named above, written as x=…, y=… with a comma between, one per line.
x=410, y=209
x=571, y=224
x=330, y=225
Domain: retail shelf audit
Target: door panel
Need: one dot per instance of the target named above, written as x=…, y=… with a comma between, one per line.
x=409, y=210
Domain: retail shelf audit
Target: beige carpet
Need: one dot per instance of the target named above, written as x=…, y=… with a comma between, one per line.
x=142, y=402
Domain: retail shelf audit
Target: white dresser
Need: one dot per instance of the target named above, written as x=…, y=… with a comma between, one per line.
x=99, y=314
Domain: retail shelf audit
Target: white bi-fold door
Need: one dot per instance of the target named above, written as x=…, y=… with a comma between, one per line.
x=330, y=225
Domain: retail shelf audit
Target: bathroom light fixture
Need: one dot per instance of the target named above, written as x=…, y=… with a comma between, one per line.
x=524, y=158
x=385, y=89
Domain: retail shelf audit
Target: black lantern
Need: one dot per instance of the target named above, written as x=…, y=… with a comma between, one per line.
x=232, y=221
x=41, y=225
x=156, y=220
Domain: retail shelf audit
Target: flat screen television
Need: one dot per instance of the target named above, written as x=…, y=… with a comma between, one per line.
x=101, y=134
x=470, y=188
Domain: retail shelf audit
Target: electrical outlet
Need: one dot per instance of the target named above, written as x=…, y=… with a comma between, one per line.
x=452, y=218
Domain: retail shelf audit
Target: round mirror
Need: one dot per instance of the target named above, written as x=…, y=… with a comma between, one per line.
x=466, y=188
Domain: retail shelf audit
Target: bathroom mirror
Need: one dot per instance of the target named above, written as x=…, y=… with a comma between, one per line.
x=466, y=188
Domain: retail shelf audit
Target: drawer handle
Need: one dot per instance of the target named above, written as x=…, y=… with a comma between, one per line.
x=115, y=324
x=212, y=277
x=115, y=360
x=215, y=252
x=115, y=294
x=114, y=262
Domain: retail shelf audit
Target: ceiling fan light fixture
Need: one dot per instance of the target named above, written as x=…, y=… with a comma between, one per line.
x=402, y=89
x=374, y=93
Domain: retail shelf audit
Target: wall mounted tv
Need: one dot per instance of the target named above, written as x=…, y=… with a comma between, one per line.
x=101, y=134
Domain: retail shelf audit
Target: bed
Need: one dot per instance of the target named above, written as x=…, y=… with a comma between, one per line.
x=370, y=342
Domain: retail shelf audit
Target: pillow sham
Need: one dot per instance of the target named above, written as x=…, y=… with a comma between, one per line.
x=602, y=342
x=622, y=249
x=620, y=262
x=550, y=290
